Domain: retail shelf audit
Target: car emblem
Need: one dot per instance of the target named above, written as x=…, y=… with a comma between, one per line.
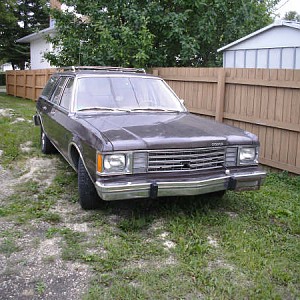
x=186, y=164
x=217, y=144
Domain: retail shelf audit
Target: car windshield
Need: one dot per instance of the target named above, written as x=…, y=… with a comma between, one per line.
x=125, y=94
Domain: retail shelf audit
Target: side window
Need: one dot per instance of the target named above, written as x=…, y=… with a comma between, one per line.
x=67, y=94
x=49, y=87
x=57, y=94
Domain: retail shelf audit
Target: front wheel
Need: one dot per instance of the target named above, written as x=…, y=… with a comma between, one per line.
x=88, y=197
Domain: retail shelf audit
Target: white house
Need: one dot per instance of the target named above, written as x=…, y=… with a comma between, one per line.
x=276, y=46
x=39, y=44
x=6, y=67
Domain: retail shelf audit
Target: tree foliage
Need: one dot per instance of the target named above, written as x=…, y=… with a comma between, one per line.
x=153, y=33
x=18, y=19
x=292, y=16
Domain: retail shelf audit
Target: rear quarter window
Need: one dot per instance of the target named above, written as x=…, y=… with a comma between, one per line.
x=49, y=87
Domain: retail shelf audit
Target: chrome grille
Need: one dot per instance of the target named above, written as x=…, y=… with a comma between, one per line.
x=186, y=160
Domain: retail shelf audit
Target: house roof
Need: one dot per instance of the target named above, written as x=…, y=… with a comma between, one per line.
x=34, y=36
x=278, y=23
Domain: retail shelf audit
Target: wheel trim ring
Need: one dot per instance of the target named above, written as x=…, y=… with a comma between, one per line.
x=43, y=140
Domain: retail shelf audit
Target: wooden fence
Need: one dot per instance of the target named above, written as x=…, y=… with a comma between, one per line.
x=265, y=102
x=28, y=83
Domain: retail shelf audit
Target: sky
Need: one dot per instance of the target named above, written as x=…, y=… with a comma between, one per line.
x=288, y=5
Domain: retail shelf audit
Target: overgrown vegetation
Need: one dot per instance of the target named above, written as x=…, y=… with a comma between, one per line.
x=244, y=246
x=152, y=33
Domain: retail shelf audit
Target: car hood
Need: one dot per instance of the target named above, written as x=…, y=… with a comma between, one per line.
x=127, y=131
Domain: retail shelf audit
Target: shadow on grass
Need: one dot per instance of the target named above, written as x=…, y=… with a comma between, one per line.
x=139, y=214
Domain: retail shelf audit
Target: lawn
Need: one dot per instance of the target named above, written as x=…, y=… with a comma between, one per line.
x=243, y=246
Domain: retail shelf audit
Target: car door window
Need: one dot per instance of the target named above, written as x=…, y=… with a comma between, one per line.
x=48, y=89
x=57, y=94
x=67, y=94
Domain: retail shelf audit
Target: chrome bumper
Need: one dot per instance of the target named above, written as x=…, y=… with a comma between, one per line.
x=153, y=189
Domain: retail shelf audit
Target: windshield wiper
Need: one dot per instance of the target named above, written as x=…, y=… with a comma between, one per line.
x=101, y=108
x=153, y=109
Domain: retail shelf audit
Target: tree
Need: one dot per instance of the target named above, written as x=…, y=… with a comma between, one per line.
x=18, y=19
x=153, y=33
x=292, y=16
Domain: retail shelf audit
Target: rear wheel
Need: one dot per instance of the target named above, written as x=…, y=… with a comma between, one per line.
x=46, y=145
x=88, y=197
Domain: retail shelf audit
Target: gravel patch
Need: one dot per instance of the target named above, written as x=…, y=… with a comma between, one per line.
x=26, y=147
x=18, y=120
x=6, y=112
x=31, y=263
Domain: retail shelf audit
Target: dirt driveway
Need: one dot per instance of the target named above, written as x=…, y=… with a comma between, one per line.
x=31, y=262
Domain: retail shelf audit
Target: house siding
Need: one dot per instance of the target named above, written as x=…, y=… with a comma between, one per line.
x=37, y=49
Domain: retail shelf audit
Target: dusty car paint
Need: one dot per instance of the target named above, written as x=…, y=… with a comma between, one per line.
x=134, y=130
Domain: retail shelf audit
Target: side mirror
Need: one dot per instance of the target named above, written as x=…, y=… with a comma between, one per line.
x=182, y=101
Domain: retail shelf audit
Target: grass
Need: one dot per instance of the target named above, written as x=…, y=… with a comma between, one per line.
x=244, y=246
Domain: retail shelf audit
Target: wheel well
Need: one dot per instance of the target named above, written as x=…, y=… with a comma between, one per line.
x=74, y=156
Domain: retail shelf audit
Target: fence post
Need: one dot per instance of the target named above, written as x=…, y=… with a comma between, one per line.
x=155, y=72
x=6, y=82
x=24, y=78
x=220, y=95
x=15, y=83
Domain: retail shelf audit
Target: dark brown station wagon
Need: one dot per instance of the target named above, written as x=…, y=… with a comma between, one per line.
x=129, y=136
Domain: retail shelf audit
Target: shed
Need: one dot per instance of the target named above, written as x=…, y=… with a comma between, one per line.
x=38, y=46
x=276, y=46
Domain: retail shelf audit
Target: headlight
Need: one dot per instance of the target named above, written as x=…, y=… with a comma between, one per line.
x=121, y=163
x=114, y=163
x=248, y=155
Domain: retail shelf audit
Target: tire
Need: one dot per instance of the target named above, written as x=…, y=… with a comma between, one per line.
x=88, y=197
x=46, y=145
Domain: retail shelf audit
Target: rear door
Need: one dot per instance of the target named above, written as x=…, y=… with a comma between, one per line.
x=49, y=110
x=63, y=124
x=44, y=104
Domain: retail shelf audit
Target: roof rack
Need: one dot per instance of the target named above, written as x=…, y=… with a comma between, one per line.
x=99, y=68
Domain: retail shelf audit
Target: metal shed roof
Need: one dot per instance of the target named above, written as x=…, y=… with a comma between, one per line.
x=279, y=23
x=34, y=36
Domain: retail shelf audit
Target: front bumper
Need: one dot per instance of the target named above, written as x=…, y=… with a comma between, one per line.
x=229, y=180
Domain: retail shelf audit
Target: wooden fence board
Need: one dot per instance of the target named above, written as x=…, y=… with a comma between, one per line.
x=263, y=101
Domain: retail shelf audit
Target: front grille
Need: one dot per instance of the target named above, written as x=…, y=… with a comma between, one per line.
x=186, y=159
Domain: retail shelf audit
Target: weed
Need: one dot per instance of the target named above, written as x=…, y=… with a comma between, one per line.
x=73, y=248
x=8, y=246
x=40, y=287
